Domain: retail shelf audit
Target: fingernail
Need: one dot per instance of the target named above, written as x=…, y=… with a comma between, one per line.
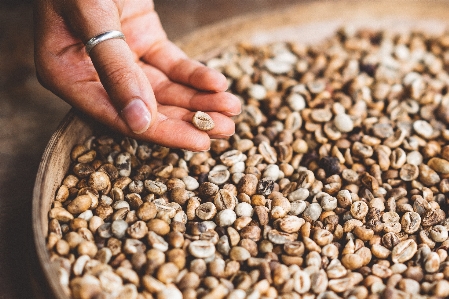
x=234, y=114
x=220, y=136
x=137, y=116
x=230, y=113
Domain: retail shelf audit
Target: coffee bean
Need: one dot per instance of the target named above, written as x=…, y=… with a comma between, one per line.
x=203, y=121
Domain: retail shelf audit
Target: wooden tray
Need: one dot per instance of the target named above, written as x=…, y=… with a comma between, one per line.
x=308, y=23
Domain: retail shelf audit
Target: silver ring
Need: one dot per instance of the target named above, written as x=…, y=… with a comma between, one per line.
x=103, y=37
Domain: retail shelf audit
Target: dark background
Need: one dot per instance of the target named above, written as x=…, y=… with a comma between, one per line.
x=29, y=115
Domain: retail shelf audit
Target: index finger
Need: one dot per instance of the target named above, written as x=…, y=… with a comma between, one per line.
x=126, y=84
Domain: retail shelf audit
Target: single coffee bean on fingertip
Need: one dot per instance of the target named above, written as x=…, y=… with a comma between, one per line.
x=203, y=121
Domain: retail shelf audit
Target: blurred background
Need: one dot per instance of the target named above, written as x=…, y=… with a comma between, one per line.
x=29, y=115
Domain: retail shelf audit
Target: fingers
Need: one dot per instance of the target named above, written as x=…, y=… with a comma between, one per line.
x=149, y=41
x=171, y=126
x=126, y=84
x=173, y=62
x=177, y=95
x=224, y=126
x=176, y=133
x=124, y=100
x=172, y=94
x=180, y=101
x=168, y=130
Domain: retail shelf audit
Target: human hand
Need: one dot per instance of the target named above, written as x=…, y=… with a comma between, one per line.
x=146, y=87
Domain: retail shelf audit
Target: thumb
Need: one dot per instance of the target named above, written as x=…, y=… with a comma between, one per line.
x=124, y=81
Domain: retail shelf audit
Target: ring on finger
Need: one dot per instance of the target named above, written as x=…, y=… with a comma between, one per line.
x=91, y=43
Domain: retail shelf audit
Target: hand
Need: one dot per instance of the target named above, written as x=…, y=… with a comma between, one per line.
x=146, y=87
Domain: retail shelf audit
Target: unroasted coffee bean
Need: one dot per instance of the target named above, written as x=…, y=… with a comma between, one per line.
x=226, y=217
x=265, y=186
x=232, y=157
x=268, y=153
x=352, y=261
x=428, y=176
x=410, y=222
x=167, y=272
x=123, y=164
x=432, y=262
x=206, y=211
x=301, y=281
x=331, y=165
x=290, y=224
x=365, y=234
x=439, y=233
x=208, y=189
x=278, y=237
x=203, y=121
x=359, y=209
x=99, y=181
x=155, y=187
x=137, y=230
x=248, y=184
x=312, y=212
x=404, y=251
x=432, y=217
x=118, y=228
x=219, y=175
x=157, y=242
x=334, y=184
x=238, y=253
x=343, y=123
x=201, y=248
x=319, y=281
x=409, y=172
x=224, y=200
x=147, y=211
x=159, y=226
x=80, y=204
x=294, y=248
x=390, y=240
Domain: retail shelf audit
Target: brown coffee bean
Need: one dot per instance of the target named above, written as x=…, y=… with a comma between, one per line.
x=410, y=222
x=268, y=153
x=137, y=230
x=80, y=204
x=251, y=232
x=359, y=209
x=158, y=226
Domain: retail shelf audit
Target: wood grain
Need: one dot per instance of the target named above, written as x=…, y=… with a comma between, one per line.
x=54, y=164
